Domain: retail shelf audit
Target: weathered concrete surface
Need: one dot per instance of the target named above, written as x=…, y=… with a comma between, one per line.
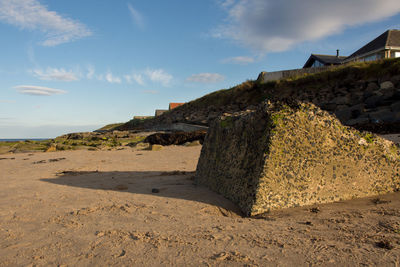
x=283, y=156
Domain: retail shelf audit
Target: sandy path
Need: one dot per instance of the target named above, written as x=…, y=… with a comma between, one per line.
x=98, y=209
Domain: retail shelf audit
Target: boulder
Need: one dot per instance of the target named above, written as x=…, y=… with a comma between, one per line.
x=358, y=121
x=341, y=100
x=395, y=107
x=382, y=116
x=371, y=87
x=286, y=155
x=373, y=101
x=343, y=114
x=386, y=85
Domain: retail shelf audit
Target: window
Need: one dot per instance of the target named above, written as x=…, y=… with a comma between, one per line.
x=317, y=64
x=396, y=54
x=371, y=57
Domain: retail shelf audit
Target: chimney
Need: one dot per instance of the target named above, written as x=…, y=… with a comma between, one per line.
x=337, y=52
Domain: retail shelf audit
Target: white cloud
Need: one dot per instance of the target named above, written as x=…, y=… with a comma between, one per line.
x=90, y=72
x=136, y=17
x=38, y=90
x=54, y=74
x=272, y=26
x=152, y=92
x=138, y=78
x=159, y=76
x=206, y=78
x=112, y=79
x=31, y=15
x=239, y=60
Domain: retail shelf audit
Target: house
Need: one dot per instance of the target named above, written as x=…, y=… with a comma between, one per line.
x=387, y=45
x=174, y=105
x=323, y=60
x=160, y=112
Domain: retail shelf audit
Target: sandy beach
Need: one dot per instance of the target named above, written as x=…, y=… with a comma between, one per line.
x=141, y=208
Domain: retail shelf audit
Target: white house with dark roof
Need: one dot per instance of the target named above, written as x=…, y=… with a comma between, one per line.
x=386, y=45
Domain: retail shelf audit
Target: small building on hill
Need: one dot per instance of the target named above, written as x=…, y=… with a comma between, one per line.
x=323, y=60
x=160, y=112
x=386, y=45
x=174, y=105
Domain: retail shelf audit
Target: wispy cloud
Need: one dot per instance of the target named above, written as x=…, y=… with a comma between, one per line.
x=272, y=26
x=90, y=72
x=54, y=74
x=111, y=78
x=159, y=76
x=152, y=92
x=206, y=78
x=136, y=17
x=138, y=78
x=150, y=75
x=38, y=90
x=7, y=101
x=31, y=15
x=239, y=60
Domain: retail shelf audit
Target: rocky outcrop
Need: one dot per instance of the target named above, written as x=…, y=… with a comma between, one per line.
x=175, y=138
x=289, y=154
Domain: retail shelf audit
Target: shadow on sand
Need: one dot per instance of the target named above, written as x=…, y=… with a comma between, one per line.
x=175, y=184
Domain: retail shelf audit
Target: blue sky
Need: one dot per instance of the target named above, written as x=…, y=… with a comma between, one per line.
x=69, y=66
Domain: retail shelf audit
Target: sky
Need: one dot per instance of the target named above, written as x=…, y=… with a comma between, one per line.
x=70, y=66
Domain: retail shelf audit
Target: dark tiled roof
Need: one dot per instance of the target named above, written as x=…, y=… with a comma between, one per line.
x=388, y=38
x=325, y=59
x=328, y=59
x=394, y=38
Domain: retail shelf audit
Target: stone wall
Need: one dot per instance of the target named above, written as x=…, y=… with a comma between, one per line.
x=358, y=102
x=288, y=155
x=284, y=74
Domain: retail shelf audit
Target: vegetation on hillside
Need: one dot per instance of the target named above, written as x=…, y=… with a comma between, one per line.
x=78, y=141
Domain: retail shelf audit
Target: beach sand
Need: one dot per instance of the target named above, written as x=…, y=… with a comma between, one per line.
x=141, y=208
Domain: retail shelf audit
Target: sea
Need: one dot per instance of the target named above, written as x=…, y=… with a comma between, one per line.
x=23, y=139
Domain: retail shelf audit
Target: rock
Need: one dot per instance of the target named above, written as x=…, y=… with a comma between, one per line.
x=387, y=93
x=395, y=106
x=386, y=85
x=371, y=87
x=373, y=101
x=382, y=116
x=194, y=143
x=286, y=155
x=358, y=121
x=341, y=100
x=176, y=138
x=154, y=147
x=395, y=79
x=397, y=94
x=343, y=114
x=357, y=110
x=142, y=146
x=52, y=148
x=328, y=106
